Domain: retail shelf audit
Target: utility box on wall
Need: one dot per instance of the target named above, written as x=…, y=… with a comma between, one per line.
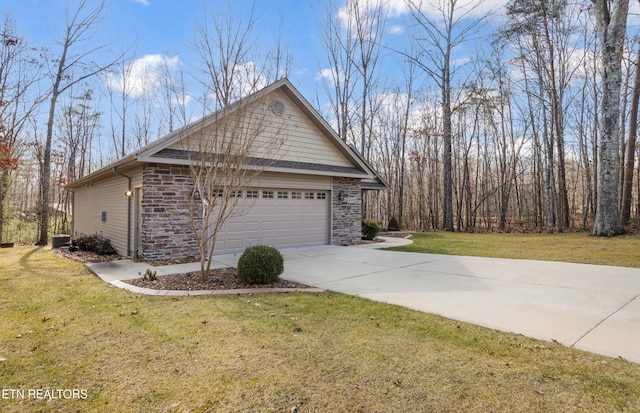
x=103, y=216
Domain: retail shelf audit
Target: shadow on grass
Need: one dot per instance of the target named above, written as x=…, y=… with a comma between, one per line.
x=24, y=260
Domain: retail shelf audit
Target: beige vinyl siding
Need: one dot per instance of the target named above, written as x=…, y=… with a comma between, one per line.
x=291, y=181
x=303, y=141
x=106, y=195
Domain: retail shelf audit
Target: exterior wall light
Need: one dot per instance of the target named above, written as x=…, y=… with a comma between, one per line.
x=128, y=193
x=341, y=195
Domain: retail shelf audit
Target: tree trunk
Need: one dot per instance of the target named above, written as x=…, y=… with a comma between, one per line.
x=629, y=165
x=447, y=164
x=611, y=30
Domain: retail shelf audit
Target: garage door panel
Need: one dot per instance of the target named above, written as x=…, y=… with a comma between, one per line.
x=234, y=226
x=234, y=244
x=252, y=226
x=268, y=226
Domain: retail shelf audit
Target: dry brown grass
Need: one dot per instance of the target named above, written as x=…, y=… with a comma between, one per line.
x=62, y=328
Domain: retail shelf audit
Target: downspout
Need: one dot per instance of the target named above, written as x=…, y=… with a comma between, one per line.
x=115, y=171
x=73, y=211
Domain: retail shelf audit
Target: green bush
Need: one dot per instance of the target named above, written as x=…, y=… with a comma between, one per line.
x=95, y=243
x=370, y=229
x=260, y=264
x=393, y=224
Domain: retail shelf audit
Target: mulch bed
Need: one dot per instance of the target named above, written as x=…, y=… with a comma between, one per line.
x=219, y=279
x=85, y=256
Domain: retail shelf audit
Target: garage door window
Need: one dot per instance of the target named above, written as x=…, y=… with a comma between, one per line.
x=252, y=194
x=283, y=195
x=267, y=194
x=321, y=195
x=296, y=195
x=308, y=195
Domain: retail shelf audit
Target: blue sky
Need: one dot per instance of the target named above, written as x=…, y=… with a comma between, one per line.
x=166, y=27
x=154, y=27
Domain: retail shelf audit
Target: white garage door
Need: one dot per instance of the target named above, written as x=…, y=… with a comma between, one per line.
x=277, y=217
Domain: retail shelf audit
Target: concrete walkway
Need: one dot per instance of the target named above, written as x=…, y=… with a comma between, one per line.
x=590, y=307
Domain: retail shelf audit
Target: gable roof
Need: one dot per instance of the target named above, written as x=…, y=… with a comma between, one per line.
x=159, y=151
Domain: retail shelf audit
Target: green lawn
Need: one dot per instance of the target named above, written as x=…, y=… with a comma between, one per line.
x=61, y=328
x=570, y=247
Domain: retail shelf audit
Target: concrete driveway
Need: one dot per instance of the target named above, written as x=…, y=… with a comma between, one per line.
x=590, y=307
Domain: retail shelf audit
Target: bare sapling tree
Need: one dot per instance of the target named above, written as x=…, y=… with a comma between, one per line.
x=611, y=23
x=225, y=156
x=73, y=65
x=243, y=138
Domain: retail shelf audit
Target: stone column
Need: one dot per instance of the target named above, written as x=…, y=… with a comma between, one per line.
x=346, y=211
x=166, y=213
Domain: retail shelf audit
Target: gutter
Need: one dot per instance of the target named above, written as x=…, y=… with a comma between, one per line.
x=129, y=197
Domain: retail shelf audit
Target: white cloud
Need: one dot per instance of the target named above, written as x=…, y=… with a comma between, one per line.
x=143, y=2
x=182, y=100
x=435, y=8
x=394, y=8
x=142, y=76
x=395, y=29
x=325, y=74
x=300, y=72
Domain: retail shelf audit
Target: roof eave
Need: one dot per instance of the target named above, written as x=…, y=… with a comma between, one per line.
x=101, y=173
x=302, y=171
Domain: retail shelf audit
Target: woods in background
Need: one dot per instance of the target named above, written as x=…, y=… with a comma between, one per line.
x=529, y=124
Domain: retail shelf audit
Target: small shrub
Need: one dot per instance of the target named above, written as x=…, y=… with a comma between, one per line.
x=370, y=229
x=260, y=264
x=149, y=275
x=393, y=224
x=95, y=243
x=86, y=242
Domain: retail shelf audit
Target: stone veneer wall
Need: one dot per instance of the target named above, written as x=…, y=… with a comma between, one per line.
x=166, y=213
x=346, y=213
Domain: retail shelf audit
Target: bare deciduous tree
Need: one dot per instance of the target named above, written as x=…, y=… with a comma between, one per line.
x=233, y=63
x=18, y=76
x=442, y=27
x=611, y=22
x=73, y=65
x=120, y=98
x=339, y=40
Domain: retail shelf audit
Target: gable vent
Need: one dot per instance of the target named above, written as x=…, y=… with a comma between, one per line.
x=277, y=107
